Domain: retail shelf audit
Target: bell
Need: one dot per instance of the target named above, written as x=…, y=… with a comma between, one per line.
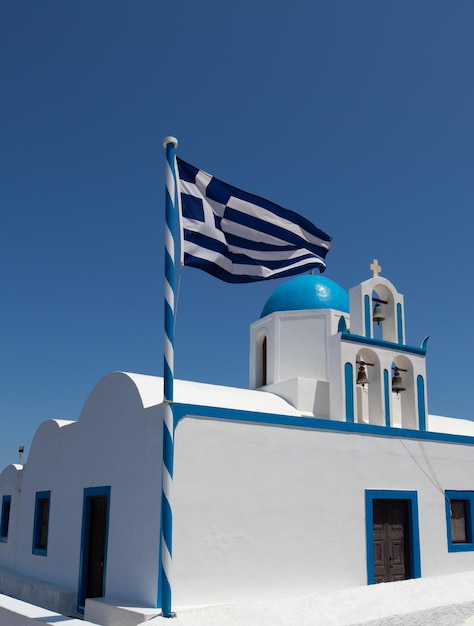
x=397, y=384
x=362, y=377
x=378, y=316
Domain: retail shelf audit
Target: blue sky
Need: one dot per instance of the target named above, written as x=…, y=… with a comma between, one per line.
x=358, y=115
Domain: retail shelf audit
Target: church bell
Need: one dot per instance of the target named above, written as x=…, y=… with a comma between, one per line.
x=397, y=383
x=378, y=316
x=362, y=378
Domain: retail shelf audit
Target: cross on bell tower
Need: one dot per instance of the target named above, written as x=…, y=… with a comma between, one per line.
x=375, y=267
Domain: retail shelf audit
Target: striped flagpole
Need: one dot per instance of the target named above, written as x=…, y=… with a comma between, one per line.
x=164, y=592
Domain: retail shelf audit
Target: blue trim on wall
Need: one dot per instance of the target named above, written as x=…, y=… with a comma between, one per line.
x=380, y=343
x=90, y=492
x=181, y=411
x=420, y=386
x=5, y=518
x=400, y=323
x=468, y=496
x=367, y=316
x=36, y=549
x=387, y=392
x=349, y=388
x=414, y=531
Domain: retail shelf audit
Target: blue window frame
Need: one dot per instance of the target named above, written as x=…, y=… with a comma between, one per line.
x=5, y=519
x=41, y=523
x=459, y=520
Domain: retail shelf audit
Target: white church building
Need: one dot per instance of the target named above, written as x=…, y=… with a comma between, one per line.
x=328, y=473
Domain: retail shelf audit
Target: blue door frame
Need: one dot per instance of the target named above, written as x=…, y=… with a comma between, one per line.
x=414, y=534
x=89, y=494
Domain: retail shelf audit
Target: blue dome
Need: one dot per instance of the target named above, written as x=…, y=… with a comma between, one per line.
x=308, y=291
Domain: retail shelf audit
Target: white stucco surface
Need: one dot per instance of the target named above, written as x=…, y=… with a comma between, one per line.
x=150, y=389
x=437, y=601
x=15, y=612
x=266, y=510
x=260, y=510
x=115, y=443
x=452, y=425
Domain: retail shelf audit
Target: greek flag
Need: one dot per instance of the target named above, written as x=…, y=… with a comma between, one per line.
x=242, y=238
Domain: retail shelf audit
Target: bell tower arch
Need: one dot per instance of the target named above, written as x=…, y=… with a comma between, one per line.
x=377, y=294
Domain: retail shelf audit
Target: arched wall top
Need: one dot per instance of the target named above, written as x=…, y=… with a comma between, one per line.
x=262, y=333
x=11, y=474
x=378, y=282
x=401, y=360
x=362, y=298
x=46, y=438
x=137, y=389
x=148, y=390
x=366, y=352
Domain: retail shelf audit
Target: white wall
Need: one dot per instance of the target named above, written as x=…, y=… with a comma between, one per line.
x=264, y=511
x=258, y=510
x=115, y=443
x=297, y=344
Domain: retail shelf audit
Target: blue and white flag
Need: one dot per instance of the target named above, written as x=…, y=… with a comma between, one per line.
x=242, y=238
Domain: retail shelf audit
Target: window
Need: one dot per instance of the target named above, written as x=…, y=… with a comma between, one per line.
x=5, y=519
x=41, y=523
x=261, y=361
x=459, y=507
x=458, y=521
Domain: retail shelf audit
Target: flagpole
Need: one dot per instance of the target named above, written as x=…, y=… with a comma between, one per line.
x=164, y=591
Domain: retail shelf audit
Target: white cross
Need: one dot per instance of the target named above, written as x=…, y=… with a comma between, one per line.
x=375, y=267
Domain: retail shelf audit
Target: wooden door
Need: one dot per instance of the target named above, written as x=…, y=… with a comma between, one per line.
x=391, y=540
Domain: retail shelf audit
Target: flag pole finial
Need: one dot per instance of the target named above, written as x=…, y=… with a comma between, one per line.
x=170, y=139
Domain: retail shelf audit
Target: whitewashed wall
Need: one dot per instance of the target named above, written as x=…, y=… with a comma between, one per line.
x=115, y=442
x=264, y=511
x=259, y=510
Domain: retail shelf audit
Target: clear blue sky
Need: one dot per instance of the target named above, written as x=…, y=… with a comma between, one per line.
x=356, y=114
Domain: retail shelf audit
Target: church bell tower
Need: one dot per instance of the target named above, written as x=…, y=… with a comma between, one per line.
x=339, y=355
